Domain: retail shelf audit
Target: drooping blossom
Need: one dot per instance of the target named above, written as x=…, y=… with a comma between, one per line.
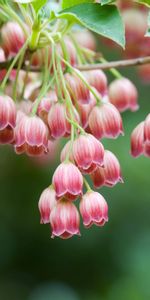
x=110, y=174
x=93, y=209
x=77, y=89
x=137, y=140
x=46, y=203
x=67, y=181
x=98, y=80
x=123, y=94
x=64, y=220
x=105, y=121
x=7, y=119
x=88, y=153
x=31, y=136
x=13, y=38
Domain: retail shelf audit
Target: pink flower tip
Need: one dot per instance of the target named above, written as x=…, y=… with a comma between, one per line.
x=93, y=209
x=64, y=220
x=67, y=181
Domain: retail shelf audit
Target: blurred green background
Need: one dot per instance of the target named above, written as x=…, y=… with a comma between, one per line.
x=109, y=263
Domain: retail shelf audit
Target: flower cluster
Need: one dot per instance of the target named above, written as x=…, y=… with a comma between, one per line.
x=66, y=103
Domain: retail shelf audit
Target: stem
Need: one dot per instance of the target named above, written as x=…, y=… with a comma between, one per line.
x=60, y=94
x=87, y=185
x=15, y=17
x=32, y=10
x=78, y=49
x=13, y=64
x=41, y=95
x=68, y=100
x=26, y=77
x=34, y=39
x=79, y=74
x=44, y=87
x=17, y=74
x=26, y=16
x=64, y=50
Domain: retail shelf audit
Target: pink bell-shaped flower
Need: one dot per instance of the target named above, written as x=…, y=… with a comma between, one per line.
x=98, y=80
x=137, y=140
x=77, y=89
x=110, y=175
x=123, y=94
x=57, y=122
x=64, y=220
x=105, y=121
x=67, y=181
x=31, y=136
x=46, y=203
x=7, y=119
x=88, y=153
x=93, y=209
x=13, y=38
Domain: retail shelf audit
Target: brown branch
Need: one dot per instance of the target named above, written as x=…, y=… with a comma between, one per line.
x=116, y=64
x=104, y=66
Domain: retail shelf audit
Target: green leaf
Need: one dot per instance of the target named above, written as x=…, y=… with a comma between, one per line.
x=38, y=4
x=104, y=20
x=66, y=3
x=145, y=2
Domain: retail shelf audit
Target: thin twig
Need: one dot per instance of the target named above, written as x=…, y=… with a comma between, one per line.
x=104, y=66
x=116, y=64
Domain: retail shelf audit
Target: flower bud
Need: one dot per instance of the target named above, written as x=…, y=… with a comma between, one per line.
x=123, y=94
x=88, y=153
x=64, y=220
x=46, y=203
x=77, y=89
x=98, y=80
x=7, y=119
x=12, y=38
x=137, y=140
x=93, y=209
x=110, y=175
x=105, y=121
x=31, y=136
x=67, y=181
